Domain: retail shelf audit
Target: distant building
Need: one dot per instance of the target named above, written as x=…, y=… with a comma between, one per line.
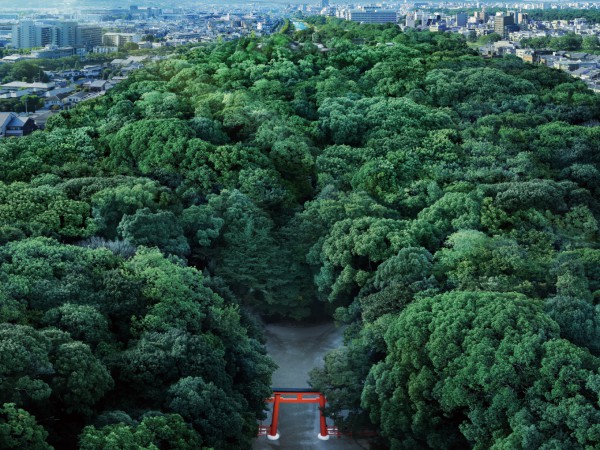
x=34, y=87
x=502, y=48
x=28, y=34
x=52, y=102
x=104, y=49
x=120, y=39
x=41, y=118
x=24, y=35
x=65, y=34
x=53, y=52
x=15, y=58
x=92, y=71
x=504, y=25
x=74, y=99
x=324, y=3
x=437, y=27
x=526, y=54
x=88, y=36
x=481, y=16
x=522, y=18
x=367, y=15
x=100, y=86
x=461, y=19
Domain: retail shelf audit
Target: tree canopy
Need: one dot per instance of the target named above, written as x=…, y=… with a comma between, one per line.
x=441, y=206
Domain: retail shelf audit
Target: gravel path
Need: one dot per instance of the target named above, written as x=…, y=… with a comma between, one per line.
x=297, y=349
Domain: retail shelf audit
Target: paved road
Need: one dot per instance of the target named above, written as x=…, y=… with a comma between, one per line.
x=297, y=349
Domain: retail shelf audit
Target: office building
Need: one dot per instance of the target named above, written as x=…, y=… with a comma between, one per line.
x=481, y=16
x=372, y=15
x=522, y=18
x=24, y=35
x=88, y=36
x=65, y=34
x=461, y=19
x=27, y=34
x=504, y=25
x=44, y=35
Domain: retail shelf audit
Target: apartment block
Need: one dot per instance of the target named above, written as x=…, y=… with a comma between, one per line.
x=120, y=39
x=88, y=36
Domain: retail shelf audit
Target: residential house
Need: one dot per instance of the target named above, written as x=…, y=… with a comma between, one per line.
x=41, y=118
x=60, y=92
x=53, y=102
x=33, y=87
x=131, y=61
x=100, y=86
x=74, y=99
x=12, y=125
x=92, y=71
x=5, y=119
x=6, y=94
x=586, y=73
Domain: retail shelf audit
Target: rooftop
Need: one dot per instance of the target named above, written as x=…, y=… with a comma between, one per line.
x=23, y=85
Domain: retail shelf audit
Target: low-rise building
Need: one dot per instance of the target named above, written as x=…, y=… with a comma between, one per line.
x=12, y=125
x=74, y=99
x=100, y=86
x=92, y=71
x=6, y=94
x=33, y=87
x=526, y=54
x=53, y=102
x=120, y=39
x=105, y=49
x=53, y=52
x=42, y=117
x=11, y=59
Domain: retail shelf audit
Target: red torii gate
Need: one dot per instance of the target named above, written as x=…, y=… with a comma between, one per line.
x=296, y=396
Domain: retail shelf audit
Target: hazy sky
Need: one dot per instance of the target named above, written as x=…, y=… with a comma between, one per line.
x=69, y=5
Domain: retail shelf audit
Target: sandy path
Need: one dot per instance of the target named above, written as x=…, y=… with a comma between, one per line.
x=297, y=349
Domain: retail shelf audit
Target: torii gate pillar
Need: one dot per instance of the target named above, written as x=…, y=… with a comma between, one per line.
x=323, y=435
x=273, y=434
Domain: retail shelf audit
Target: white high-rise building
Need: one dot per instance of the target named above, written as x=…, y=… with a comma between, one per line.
x=24, y=35
x=28, y=34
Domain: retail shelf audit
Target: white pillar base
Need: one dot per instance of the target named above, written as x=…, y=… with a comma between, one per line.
x=273, y=438
x=323, y=438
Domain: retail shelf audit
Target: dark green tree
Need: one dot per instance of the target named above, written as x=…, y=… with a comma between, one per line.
x=19, y=429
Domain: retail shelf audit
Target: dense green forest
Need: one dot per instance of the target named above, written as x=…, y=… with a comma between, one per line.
x=444, y=207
